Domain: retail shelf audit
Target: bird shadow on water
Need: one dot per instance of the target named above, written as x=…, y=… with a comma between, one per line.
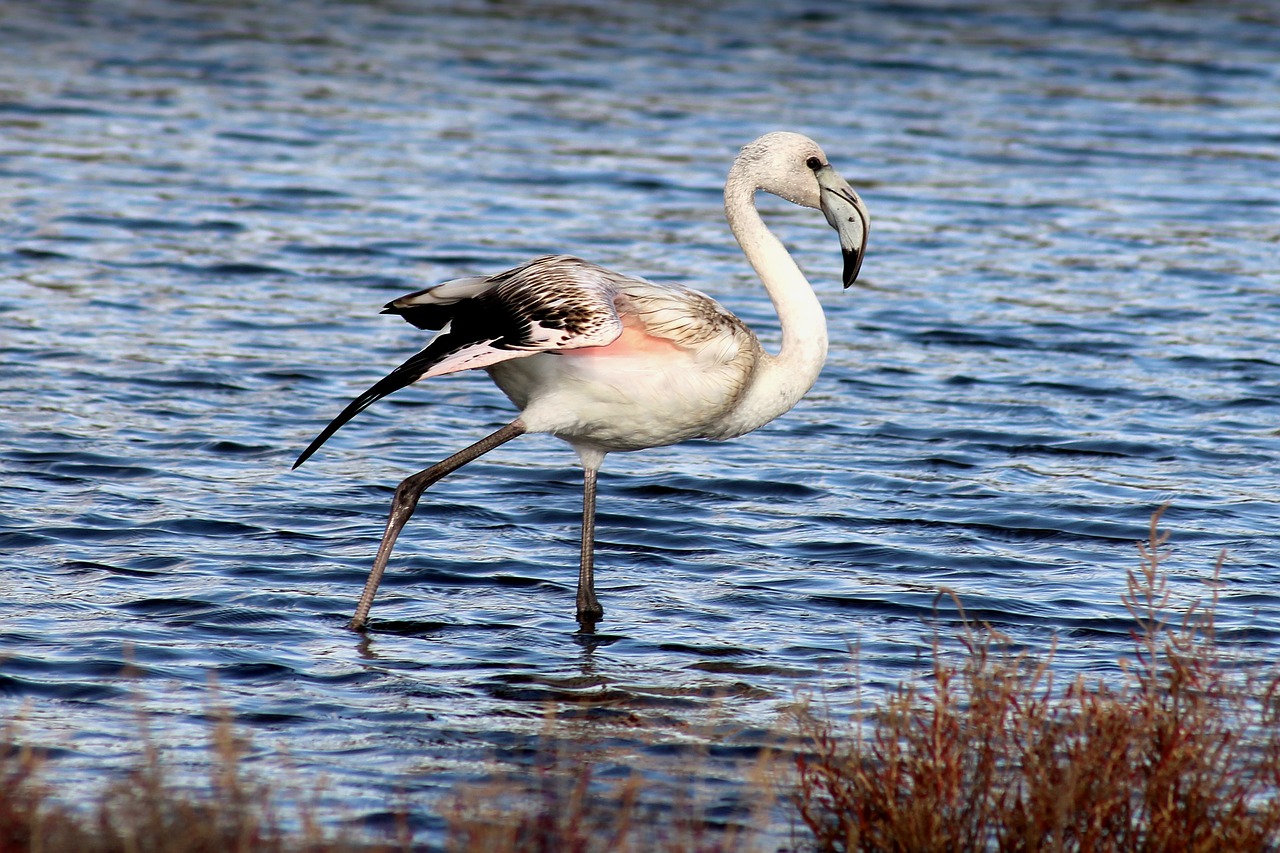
x=586, y=638
x=409, y=628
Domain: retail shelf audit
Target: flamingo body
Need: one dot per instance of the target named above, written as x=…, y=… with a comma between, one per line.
x=661, y=380
x=608, y=362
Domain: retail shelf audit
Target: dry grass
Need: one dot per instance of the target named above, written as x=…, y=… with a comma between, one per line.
x=143, y=812
x=1179, y=753
x=1182, y=755
x=560, y=806
x=652, y=808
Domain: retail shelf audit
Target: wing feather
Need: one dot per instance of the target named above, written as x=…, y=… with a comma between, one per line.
x=551, y=303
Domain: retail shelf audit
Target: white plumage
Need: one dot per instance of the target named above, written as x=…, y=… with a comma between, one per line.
x=608, y=362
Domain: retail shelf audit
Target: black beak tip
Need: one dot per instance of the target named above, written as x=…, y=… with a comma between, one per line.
x=852, y=265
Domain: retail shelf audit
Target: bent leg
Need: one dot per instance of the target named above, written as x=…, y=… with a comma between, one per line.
x=406, y=500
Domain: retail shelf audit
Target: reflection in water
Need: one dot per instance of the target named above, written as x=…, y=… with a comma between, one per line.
x=1069, y=319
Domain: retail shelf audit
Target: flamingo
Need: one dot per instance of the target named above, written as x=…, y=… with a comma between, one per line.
x=608, y=362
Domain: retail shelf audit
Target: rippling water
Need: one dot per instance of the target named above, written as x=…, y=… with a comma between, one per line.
x=1071, y=317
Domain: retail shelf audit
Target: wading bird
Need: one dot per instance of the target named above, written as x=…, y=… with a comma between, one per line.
x=609, y=362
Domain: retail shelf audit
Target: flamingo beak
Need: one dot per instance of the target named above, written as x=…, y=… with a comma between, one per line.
x=847, y=214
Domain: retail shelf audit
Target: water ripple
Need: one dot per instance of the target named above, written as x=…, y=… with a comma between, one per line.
x=1068, y=318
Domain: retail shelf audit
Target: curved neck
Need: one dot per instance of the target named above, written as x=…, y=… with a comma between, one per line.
x=781, y=380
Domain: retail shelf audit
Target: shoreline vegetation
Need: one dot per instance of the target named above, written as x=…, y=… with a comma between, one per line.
x=1180, y=752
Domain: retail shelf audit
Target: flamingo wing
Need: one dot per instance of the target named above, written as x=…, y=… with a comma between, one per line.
x=551, y=303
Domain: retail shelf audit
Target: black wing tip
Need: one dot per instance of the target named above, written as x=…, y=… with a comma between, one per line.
x=406, y=374
x=311, y=449
x=427, y=317
x=353, y=408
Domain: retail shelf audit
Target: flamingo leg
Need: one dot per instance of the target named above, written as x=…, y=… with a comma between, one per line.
x=406, y=500
x=589, y=610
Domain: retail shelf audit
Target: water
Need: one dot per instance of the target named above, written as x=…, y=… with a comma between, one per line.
x=1069, y=318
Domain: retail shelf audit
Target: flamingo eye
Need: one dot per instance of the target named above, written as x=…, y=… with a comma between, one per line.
x=813, y=163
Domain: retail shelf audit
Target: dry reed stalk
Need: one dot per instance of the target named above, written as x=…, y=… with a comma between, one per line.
x=562, y=804
x=1183, y=755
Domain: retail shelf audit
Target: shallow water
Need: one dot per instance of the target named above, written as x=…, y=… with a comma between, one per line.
x=1070, y=316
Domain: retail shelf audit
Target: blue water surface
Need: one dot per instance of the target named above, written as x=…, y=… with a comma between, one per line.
x=1069, y=317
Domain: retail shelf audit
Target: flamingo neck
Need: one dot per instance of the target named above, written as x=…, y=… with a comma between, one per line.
x=779, y=380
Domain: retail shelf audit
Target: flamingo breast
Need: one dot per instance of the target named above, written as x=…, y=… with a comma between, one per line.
x=679, y=365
